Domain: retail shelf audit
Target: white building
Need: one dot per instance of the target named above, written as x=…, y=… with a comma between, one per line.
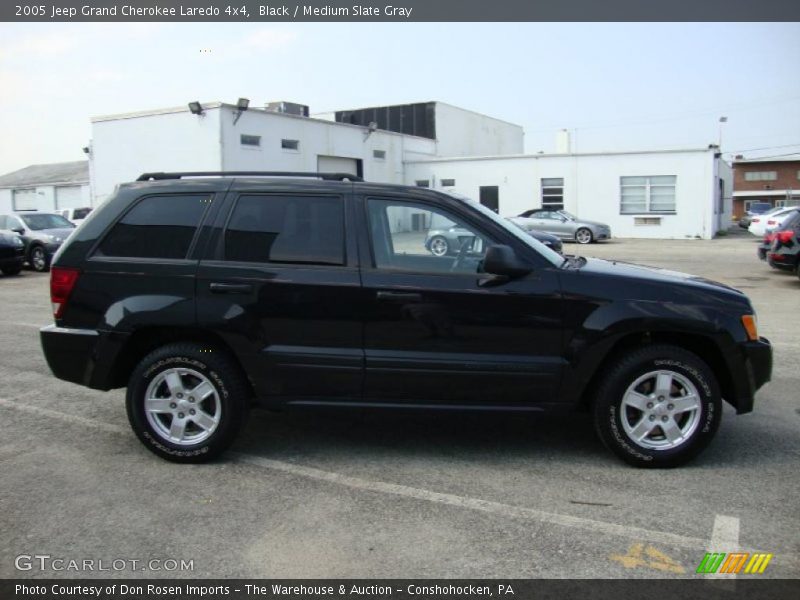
x=665, y=194
x=224, y=138
x=650, y=194
x=47, y=187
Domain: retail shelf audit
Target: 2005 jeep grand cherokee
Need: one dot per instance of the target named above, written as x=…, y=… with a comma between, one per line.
x=205, y=293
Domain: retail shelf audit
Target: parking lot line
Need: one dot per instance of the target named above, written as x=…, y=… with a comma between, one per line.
x=725, y=536
x=724, y=539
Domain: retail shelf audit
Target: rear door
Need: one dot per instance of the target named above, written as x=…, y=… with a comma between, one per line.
x=280, y=283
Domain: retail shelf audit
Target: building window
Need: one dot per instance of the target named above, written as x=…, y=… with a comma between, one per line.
x=448, y=182
x=250, y=140
x=553, y=193
x=379, y=154
x=760, y=175
x=647, y=220
x=798, y=175
x=423, y=183
x=654, y=194
x=290, y=144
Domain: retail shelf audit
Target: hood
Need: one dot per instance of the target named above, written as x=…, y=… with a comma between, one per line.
x=646, y=274
x=592, y=223
x=61, y=232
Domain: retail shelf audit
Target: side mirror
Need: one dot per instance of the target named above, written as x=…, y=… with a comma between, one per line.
x=502, y=260
x=18, y=230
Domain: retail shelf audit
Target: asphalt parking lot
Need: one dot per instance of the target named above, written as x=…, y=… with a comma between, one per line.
x=380, y=494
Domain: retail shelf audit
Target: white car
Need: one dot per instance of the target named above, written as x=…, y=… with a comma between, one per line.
x=75, y=215
x=760, y=224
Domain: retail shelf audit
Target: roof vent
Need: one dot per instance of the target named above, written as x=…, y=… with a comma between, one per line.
x=288, y=108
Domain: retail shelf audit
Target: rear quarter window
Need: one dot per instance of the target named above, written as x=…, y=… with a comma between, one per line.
x=156, y=227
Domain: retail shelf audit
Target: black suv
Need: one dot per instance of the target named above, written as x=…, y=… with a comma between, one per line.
x=206, y=292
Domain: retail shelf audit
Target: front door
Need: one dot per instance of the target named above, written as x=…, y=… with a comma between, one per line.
x=432, y=334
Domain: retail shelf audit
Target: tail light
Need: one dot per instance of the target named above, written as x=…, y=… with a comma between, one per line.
x=62, y=280
x=784, y=237
x=769, y=237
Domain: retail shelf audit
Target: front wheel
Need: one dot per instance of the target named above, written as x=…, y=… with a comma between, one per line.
x=584, y=236
x=658, y=406
x=38, y=259
x=186, y=403
x=439, y=246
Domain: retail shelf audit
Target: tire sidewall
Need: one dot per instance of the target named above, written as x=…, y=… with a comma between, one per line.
x=591, y=235
x=148, y=370
x=446, y=245
x=608, y=411
x=46, y=263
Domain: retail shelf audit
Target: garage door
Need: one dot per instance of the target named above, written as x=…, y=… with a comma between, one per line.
x=68, y=196
x=25, y=200
x=338, y=164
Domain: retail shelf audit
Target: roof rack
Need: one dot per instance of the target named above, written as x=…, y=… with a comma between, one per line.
x=179, y=175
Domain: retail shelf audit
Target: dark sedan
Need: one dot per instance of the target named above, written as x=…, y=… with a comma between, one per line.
x=42, y=233
x=12, y=253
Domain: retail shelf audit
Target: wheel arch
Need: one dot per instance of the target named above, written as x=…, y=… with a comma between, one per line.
x=704, y=347
x=146, y=339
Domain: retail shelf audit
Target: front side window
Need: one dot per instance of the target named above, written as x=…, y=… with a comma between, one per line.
x=653, y=194
x=157, y=227
x=553, y=193
x=286, y=229
x=408, y=236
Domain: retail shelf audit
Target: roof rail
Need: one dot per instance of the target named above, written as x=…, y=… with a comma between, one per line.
x=179, y=175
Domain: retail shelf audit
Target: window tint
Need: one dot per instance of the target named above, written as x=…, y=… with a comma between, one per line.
x=418, y=238
x=81, y=213
x=286, y=229
x=157, y=227
x=38, y=222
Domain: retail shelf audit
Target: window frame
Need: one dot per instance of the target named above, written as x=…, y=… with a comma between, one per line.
x=290, y=148
x=648, y=199
x=190, y=251
x=219, y=253
x=773, y=176
x=543, y=195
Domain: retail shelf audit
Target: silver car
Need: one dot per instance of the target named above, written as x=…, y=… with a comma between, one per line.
x=566, y=226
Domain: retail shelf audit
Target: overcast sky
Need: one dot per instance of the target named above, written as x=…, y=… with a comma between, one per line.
x=616, y=86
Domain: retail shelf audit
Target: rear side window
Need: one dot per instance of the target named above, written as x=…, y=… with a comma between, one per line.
x=157, y=227
x=286, y=229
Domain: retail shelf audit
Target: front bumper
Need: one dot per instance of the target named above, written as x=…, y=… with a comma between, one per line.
x=756, y=371
x=82, y=356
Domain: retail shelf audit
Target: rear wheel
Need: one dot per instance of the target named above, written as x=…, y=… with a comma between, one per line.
x=584, y=236
x=186, y=403
x=439, y=246
x=658, y=406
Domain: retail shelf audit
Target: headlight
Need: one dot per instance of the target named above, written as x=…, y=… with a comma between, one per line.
x=55, y=239
x=18, y=242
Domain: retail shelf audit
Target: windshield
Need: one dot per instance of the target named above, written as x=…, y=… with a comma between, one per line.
x=39, y=222
x=552, y=256
x=570, y=216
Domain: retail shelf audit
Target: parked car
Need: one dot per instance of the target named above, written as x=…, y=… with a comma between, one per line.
x=769, y=237
x=449, y=240
x=204, y=294
x=756, y=208
x=42, y=233
x=12, y=253
x=551, y=241
x=760, y=224
x=567, y=226
x=75, y=215
x=784, y=253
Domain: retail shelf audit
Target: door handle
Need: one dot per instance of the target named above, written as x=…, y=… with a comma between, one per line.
x=399, y=296
x=230, y=288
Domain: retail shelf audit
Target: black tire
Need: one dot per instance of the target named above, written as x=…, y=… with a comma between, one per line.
x=581, y=235
x=609, y=410
x=38, y=259
x=230, y=390
x=14, y=270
